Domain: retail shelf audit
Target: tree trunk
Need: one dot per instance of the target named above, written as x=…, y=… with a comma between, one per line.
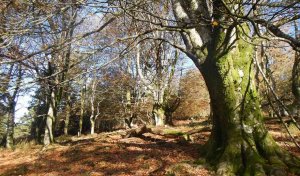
x=296, y=78
x=92, y=118
x=10, y=126
x=12, y=101
x=48, y=136
x=169, y=117
x=82, y=102
x=296, y=84
x=159, y=114
x=239, y=143
x=128, y=106
x=68, y=114
x=170, y=108
x=92, y=127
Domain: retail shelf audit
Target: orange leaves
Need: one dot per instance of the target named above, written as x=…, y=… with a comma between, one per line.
x=214, y=23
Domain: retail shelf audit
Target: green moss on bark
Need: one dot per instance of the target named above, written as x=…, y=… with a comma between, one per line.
x=239, y=143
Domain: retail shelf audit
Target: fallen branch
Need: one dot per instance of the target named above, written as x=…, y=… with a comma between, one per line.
x=138, y=132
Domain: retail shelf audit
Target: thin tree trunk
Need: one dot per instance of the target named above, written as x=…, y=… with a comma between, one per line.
x=92, y=117
x=48, y=136
x=68, y=114
x=10, y=126
x=92, y=127
x=82, y=105
x=12, y=109
x=128, y=109
x=296, y=78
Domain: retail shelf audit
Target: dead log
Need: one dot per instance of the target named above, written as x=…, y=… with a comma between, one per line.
x=138, y=132
x=191, y=132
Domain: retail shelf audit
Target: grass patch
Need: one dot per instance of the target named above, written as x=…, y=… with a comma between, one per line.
x=25, y=145
x=173, y=132
x=63, y=139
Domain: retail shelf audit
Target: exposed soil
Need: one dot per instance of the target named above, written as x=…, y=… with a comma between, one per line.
x=164, y=153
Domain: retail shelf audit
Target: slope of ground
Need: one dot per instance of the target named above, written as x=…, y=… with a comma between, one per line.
x=164, y=153
x=108, y=154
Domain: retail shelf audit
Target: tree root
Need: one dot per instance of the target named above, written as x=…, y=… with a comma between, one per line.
x=241, y=158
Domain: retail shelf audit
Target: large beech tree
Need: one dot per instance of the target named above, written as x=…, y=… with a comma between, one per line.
x=215, y=35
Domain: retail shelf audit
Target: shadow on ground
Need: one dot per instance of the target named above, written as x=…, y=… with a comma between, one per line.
x=109, y=156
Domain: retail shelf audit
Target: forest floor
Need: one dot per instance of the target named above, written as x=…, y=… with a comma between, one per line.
x=164, y=153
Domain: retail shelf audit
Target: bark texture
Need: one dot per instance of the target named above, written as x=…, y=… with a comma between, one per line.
x=48, y=136
x=159, y=114
x=296, y=77
x=296, y=85
x=239, y=143
x=82, y=105
x=10, y=126
x=68, y=114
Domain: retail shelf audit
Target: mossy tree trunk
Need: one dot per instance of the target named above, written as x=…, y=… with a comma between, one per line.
x=239, y=143
x=159, y=116
x=163, y=111
x=162, y=114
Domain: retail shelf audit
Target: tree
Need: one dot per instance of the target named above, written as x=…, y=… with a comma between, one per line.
x=239, y=142
x=49, y=31
x=68, y=113
x=12, y=101
x=9, y=94
x=159, y=68
x=94, y=109
x=11, y=82
x=82, y=104
x=296, y=73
